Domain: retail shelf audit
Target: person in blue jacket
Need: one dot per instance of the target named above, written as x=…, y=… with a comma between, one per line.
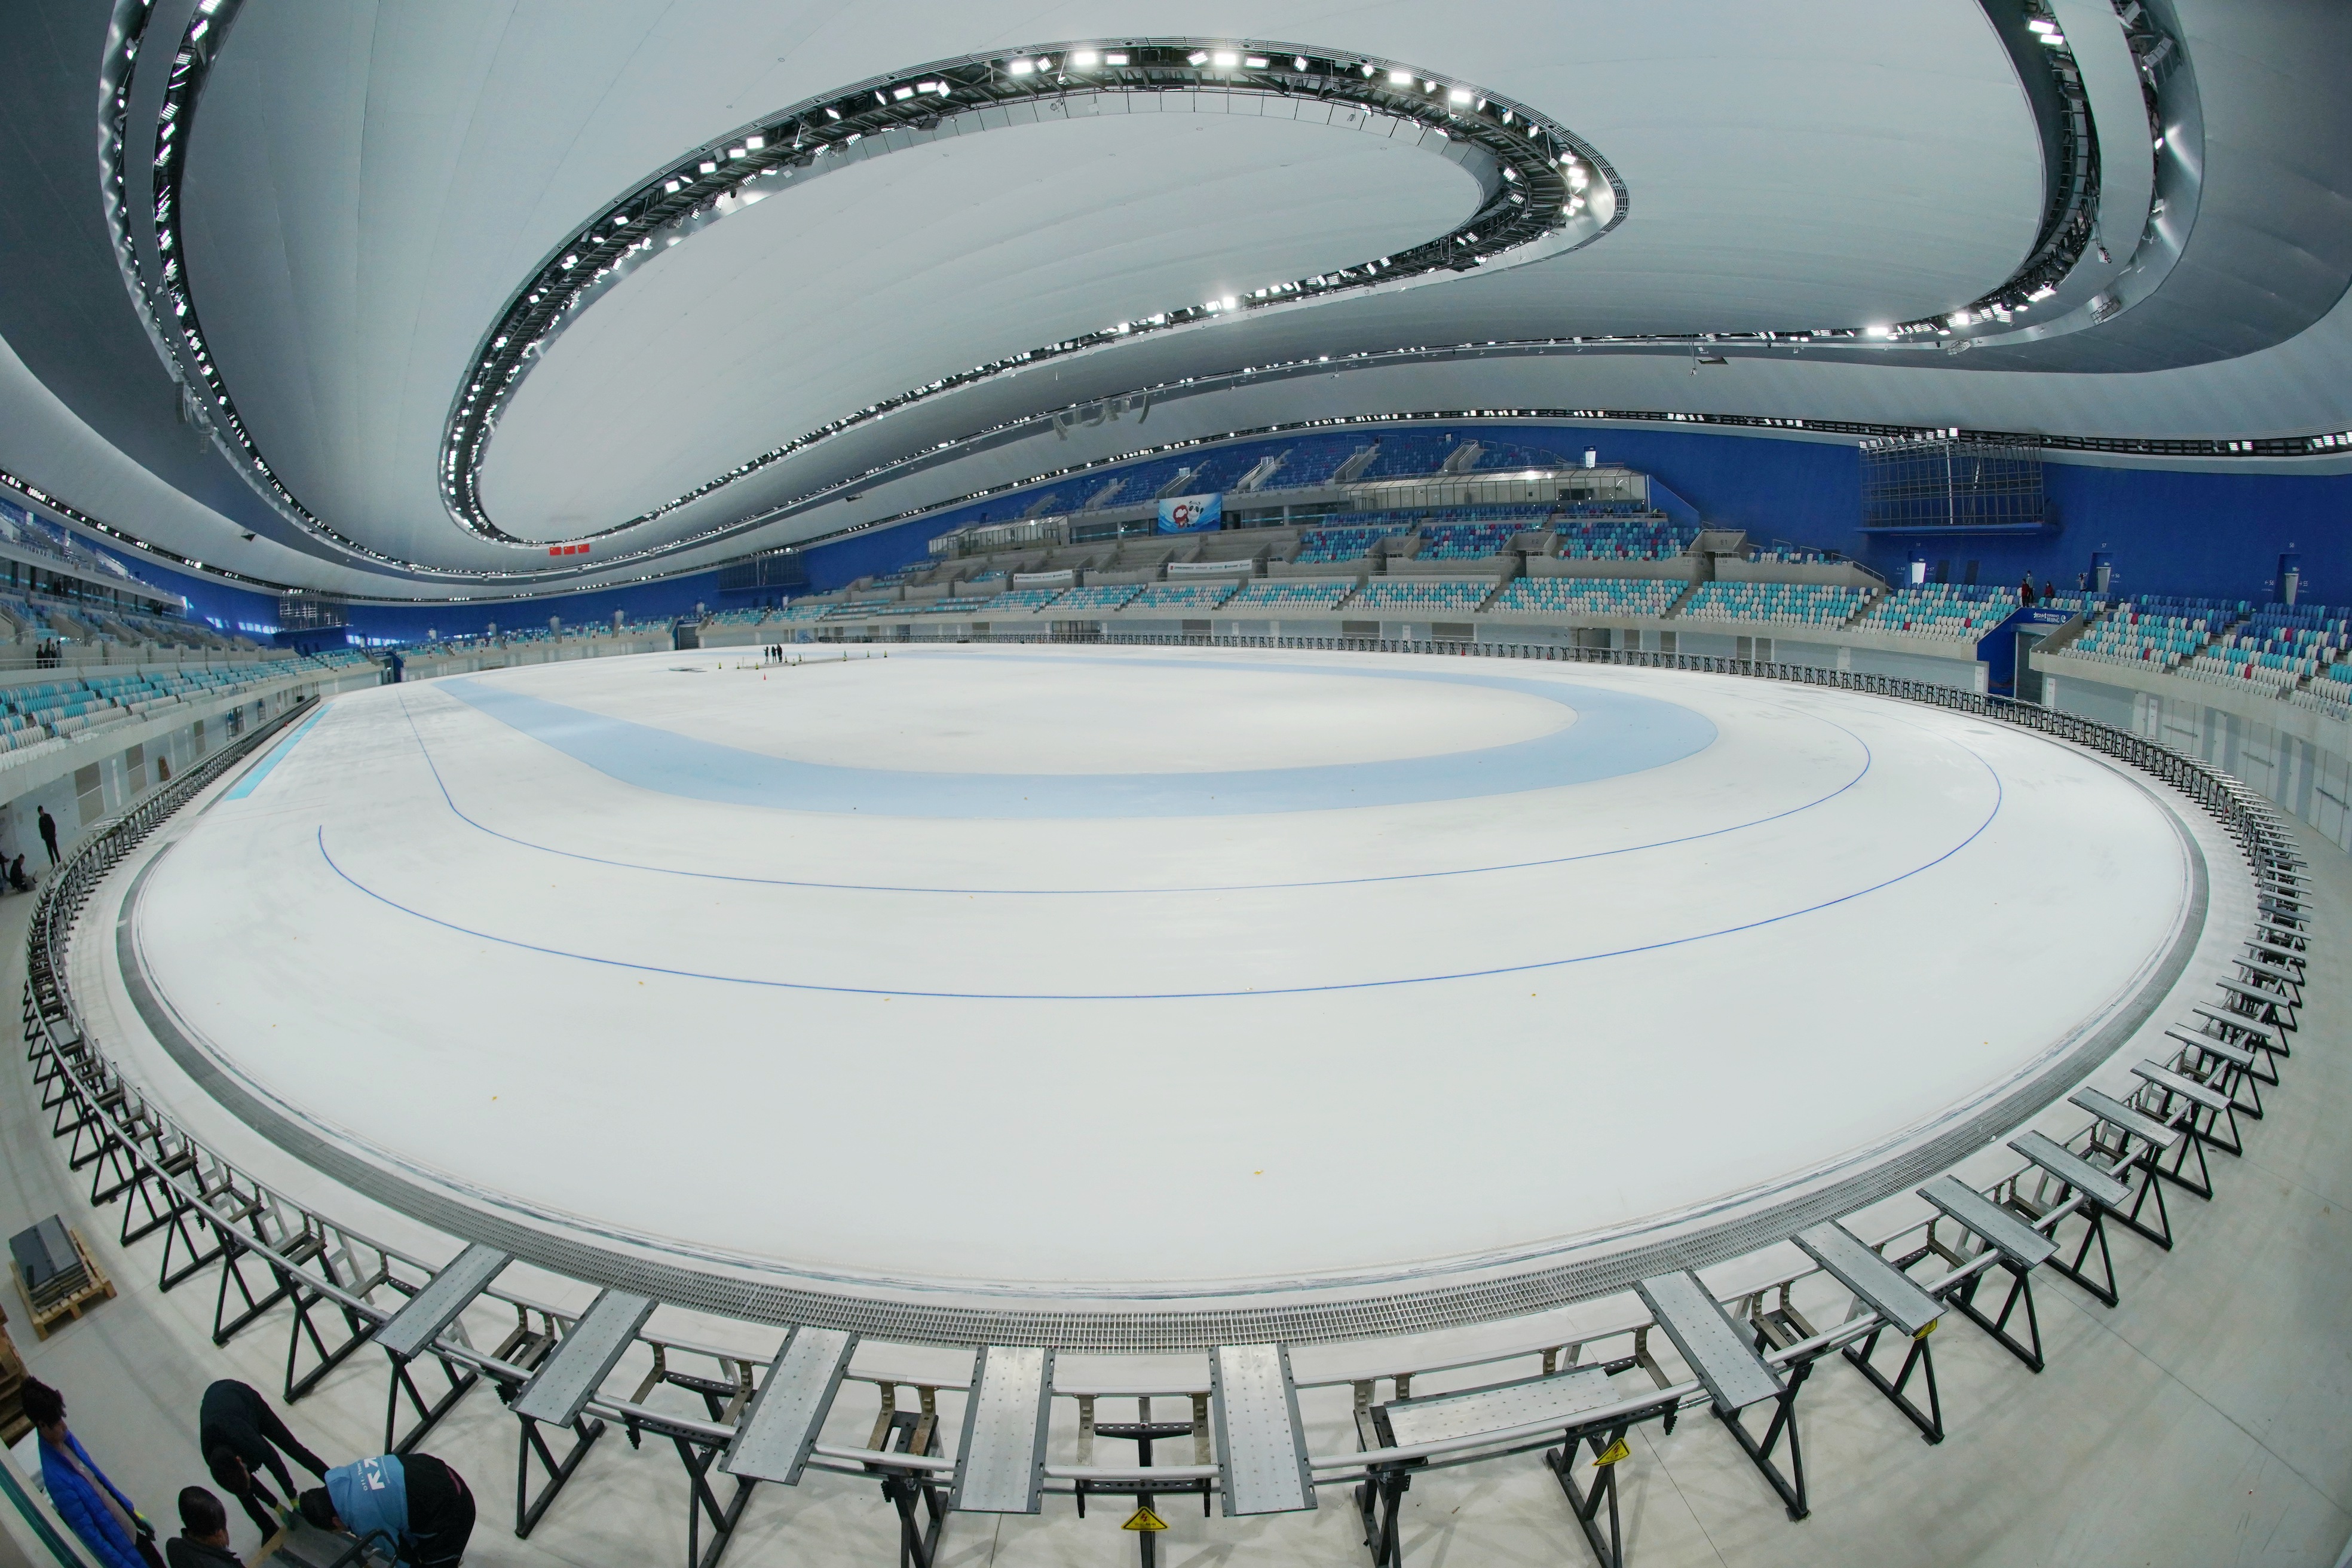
x=93, y=1508
x=414, y=1499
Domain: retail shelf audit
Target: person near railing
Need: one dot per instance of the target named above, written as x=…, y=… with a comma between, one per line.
x=239, y=1432
x=414, y=1498
x=50, y=834
x=203, y=1541
x=92, y=1507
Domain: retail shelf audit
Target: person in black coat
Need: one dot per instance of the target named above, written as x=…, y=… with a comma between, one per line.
x=239, y=1434
x=203, y=1541
x=50, y=834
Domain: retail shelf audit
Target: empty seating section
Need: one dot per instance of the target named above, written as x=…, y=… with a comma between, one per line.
x=1097, y=599
x=2157, y=633
x=1962, y=612
x=1409, y=455
x=1782, y=603
x=1587, y=534
x=1351, y=540
x=1430, y=596
x=1467, y=532
x=1313, y=462
x=1263, y=596
x=1183, y=595
x=1586, y=598
x=1789, y=554
x=44, y=716
x=2277, y=649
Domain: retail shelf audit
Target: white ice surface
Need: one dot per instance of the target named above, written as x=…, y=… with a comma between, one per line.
x=841, y=1079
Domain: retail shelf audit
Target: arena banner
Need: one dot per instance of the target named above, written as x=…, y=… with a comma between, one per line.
x=1191, y=514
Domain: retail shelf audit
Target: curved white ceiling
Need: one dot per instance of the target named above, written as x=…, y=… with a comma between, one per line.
x=818, y=299
x=365, y=183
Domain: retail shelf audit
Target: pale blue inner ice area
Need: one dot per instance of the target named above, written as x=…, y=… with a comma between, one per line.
x=1615, y=734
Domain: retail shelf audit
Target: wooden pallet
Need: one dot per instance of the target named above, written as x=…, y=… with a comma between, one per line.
x=98, y=1288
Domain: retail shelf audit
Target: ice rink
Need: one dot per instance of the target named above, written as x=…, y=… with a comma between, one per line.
x=1102, y=973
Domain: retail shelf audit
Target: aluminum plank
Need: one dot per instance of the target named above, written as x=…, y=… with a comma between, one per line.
x=2139, y=1123
x=2011, y=1237
x=571, y=1375
x=2071, y=1168
x=1878, y=1284
x=1000, y=1462
x=1260, y=1448
x=1718, y=1353
x=1560, y=1398
x=2235, y=1054
x=2187, y=1088
x=786, y=1413
x=412, y=1329
x=2253, y=1028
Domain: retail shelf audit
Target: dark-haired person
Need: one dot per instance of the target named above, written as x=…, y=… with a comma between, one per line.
x=93, y=1508
x=240, y=1435
x=203, y=1541
x=414, y=1499
x=50, y=834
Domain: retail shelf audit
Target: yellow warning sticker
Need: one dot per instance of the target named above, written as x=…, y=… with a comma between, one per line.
x=1930, y=1328
x=1614, y=1452
x=1144, y=1519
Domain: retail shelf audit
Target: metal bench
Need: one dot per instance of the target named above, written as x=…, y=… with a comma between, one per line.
x=1736, y=1377
x=2209, y=1111
x=2073, y=1173
x=2228, y=1064
x=2265, y=1007
x=1560, y=1399
x=2245, y=1031
x=781, y=1426
x=412, y=1331
x=1898, y=1303
x=558, y=1391
x=1261, y=1449
x=2021, y=1248
x=1000, y=1460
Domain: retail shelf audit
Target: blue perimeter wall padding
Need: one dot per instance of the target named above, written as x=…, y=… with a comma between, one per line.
x=2172, y=532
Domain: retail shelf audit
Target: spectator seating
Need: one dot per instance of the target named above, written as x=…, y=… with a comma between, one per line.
x=1961, y=612
x=1097, y=599
x=1409, y=454
x=1420, y=596
x=1183, y=596
x=1586, y=598
x=1261, y=596
x=1352, y=540
x=2277, y=649
x=1586, y=535
x=1781, y=603
x=2157, y=633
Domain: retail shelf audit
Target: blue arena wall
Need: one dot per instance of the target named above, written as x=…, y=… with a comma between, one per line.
x=2170, y=532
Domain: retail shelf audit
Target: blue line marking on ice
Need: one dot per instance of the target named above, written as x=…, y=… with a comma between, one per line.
x=1999, y=797
x=1868, y=760
x=1615, y=734
x=252, y=781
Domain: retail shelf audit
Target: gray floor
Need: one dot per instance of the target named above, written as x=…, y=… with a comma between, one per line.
x=2208, y=1420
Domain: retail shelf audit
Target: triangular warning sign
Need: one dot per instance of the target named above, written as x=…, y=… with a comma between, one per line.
x=1144, y=1519
x=1611, y=1454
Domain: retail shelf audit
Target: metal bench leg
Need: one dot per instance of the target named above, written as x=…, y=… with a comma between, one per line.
x=1608, y=1448
x=2151, y=1184
x=1791, y=1487
x=2101, y=1286
x=2028, y=1351
x=428, y=1415
x=918, y=1536
x=530, y=1510
x=1921, y=1357
x=357, y=1332
x=702, y=1504
x=2202, y=1184
x=1377, y=1498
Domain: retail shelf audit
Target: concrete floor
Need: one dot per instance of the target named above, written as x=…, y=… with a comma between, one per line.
x=2202, y=1422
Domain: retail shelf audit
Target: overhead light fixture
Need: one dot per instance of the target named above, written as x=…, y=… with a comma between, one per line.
x=1020, y=67
x=671, y=187
x=1230, y=302
x=735, y=151
x=1225, y=59
x=1878, y=332
x=831, y=113
x=1114, y=58
x=1298, y=62
x=1457, y=95
x=1197, y=57
x=1084, y=59
x=902, y=94
x=1398, y=79
x=709, y=167
x=1256, y=62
